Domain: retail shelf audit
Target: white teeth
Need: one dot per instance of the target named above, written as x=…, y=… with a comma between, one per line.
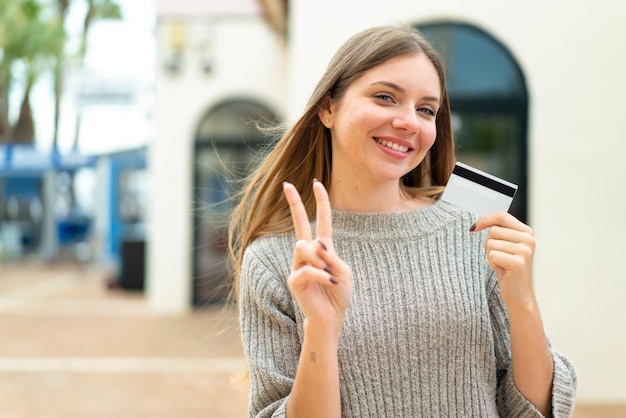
x=392, y=145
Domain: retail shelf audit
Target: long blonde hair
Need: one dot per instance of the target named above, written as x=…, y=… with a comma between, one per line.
x=304, y=152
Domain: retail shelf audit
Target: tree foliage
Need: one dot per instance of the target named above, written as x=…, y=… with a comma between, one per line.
x=30, y=38
x=33, y=41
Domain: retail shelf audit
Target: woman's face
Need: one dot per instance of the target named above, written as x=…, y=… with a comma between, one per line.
x=384, y=124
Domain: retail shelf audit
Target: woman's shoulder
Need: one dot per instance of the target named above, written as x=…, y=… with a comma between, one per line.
x=270, y=250
x=451, y=212
x=272, y=241
x=266, y=265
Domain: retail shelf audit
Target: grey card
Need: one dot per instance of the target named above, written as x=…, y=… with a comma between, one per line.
x=477, y=191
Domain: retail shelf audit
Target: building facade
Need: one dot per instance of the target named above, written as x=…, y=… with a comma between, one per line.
x=568, y=55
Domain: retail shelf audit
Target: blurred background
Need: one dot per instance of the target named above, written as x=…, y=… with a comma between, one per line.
x=124, y=125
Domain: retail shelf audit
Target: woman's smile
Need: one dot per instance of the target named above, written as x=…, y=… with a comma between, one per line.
x=394, y=145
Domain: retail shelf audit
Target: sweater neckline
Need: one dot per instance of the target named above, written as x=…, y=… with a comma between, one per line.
x=421, y=221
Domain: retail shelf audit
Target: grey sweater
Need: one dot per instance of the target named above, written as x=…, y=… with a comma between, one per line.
x=426, y=333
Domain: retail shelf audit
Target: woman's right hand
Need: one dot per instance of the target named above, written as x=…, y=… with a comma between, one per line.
x=320, y=281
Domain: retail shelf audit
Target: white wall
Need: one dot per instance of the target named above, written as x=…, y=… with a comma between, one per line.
x=573, y=59
x=248, y=63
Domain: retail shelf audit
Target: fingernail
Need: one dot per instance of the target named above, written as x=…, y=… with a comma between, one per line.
x=316, y=181
x=327, y=269
x=333, y=280
x=323, y=246
x=473, y=227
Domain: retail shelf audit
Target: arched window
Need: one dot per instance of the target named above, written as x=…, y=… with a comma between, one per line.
x=489, y=102
x=233, y=123
x=227, y=139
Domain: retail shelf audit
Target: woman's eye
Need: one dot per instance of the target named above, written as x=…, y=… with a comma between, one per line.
x=428, y=111
x=384, y=97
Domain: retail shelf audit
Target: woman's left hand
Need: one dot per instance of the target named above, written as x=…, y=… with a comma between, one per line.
x=510, y=247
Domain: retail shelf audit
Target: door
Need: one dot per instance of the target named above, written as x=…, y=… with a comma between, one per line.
x=227, y=141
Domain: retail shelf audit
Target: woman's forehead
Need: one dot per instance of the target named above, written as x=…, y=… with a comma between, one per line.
x=403, y=73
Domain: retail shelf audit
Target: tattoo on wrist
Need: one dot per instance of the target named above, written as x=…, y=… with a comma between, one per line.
x=312, y=356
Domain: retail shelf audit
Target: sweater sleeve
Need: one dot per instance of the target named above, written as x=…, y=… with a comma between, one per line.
x=510, y=401
x=269, y=332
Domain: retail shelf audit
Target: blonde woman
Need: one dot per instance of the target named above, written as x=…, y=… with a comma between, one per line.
x=362, y=294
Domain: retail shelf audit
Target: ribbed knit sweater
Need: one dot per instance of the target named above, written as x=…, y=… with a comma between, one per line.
x=426, y=333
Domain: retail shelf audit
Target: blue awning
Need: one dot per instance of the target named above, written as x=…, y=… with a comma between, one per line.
x=25, y=160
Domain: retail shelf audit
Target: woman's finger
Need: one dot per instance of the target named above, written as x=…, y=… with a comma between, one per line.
x=508, y=262
x=306, y=275
x=511, y=235
x=307, y=253
x=324, y=226
x=502, y=219
x=508, y=247
x=299, y=216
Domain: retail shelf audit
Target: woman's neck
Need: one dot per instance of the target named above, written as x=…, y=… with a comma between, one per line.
x=382, y=197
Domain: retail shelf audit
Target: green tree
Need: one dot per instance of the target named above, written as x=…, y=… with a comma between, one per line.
x=30, y=39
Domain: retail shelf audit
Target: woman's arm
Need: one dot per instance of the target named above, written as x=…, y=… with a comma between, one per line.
x=510, y=248
x=531, y=358
x=315, y=391
x=284, y=350
x=321, y=283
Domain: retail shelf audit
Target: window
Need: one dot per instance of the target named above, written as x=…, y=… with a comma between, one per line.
x=489, y=103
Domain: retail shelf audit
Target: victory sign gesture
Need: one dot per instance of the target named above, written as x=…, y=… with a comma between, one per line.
x=320, y=281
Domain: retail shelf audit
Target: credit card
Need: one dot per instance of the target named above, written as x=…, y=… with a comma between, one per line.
x=478, y=192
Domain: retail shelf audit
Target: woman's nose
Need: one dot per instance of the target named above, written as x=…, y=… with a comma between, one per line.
x=407, y=120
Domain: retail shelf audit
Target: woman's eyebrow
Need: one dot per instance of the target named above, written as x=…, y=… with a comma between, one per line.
x=399, y=89
x=389, y=84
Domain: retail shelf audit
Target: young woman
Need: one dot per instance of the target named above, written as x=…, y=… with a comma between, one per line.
x=363, y=295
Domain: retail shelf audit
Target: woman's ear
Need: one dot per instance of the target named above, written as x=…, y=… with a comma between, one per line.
x=325, y=112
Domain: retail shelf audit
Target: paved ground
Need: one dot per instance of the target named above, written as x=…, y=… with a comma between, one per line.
x=72, y=348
